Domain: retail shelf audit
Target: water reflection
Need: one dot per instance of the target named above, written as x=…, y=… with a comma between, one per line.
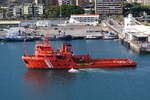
x=36, y=77
x=42, y=77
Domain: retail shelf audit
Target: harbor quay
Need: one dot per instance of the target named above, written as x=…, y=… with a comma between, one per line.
x=85, y=26
x=53, y=30
x=133, y=34
x=74, y=30
x=128, y=33
x=137, y=46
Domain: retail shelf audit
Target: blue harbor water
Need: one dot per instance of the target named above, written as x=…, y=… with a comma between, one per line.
x=18, y=83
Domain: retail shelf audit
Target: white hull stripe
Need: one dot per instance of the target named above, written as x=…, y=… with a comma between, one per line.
x=48, y=64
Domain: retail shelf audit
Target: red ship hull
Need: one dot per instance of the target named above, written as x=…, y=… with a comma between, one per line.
x=41, y=63
x=46, y=58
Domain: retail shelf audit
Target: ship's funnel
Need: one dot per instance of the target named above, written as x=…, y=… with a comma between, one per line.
x=66, y=48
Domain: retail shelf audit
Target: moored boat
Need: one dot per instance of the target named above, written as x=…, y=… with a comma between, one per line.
x=20, y=38
x=45, y=57
x=109, y=36
x=62, y=37
x=18, y=34
x=93, y=37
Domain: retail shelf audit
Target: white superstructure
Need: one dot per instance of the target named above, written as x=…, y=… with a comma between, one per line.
x=135, y=31
x=84, y=19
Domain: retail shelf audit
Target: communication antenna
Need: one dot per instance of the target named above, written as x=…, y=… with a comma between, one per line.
x=36, y=2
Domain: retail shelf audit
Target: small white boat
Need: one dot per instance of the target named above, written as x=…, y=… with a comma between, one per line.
x=93, y=37
x=109, y=36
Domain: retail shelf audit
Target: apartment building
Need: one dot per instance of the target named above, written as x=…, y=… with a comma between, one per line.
x=84, y=3
x=31, y=10
x=109, y=7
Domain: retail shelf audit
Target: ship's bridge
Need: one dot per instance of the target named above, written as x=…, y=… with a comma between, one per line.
x=43, y=49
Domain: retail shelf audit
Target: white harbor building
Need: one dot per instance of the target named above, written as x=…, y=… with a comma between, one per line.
x=136, y=34
x=135, y=31
x=84, y=19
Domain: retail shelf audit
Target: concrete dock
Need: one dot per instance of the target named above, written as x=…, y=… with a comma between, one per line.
x=74, y=30
x=135, y=45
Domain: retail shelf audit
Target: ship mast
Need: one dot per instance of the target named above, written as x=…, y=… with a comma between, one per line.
x=46, y=39
x=25, y=47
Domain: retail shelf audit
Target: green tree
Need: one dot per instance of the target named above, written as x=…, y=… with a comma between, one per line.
x=2, y=10
x=136, y=9
x=66, y=11
x=147, y=9
x=133, y=8
x=50, y=11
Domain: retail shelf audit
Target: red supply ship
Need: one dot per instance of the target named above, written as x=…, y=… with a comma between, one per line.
x=45, y=57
